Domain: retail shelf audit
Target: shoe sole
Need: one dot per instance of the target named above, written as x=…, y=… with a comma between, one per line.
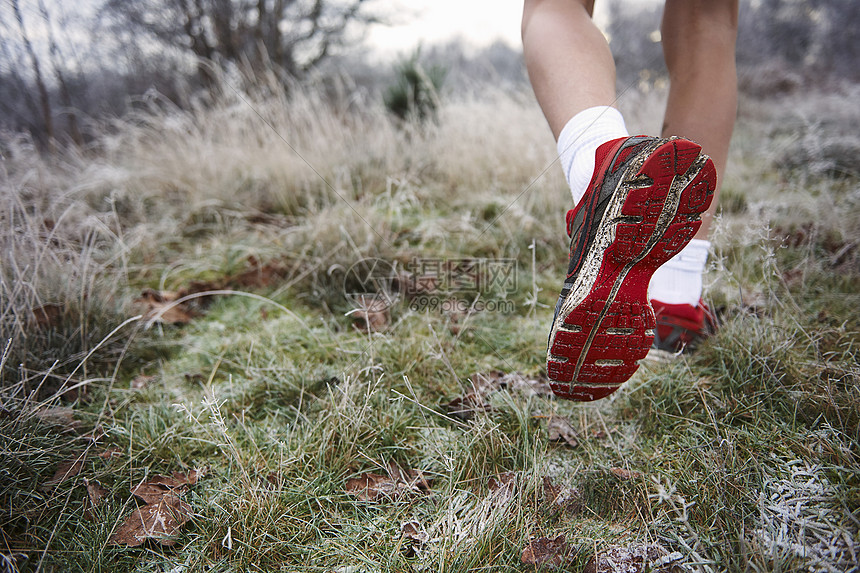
x=605, y=325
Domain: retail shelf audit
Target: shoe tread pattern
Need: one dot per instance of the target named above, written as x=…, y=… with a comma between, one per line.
x=615, y=336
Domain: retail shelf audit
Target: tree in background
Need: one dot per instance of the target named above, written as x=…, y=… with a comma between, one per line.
x=285, y=36
x=38, y=78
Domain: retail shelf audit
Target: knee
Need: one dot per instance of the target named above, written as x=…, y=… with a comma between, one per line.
x=713, y=22
x=552, y=9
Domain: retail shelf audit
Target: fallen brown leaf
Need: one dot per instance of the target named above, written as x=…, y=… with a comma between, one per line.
x=258, y=276
x=95, y=491
x=414, y=531
x=159, y=486
x=415, y=535
x=530, y=386
x=94, y=435
x=163, y=514
x=66, y=470
x=161, y=307
x=566, y=498
x=466, y=407
x=637, y=558
x=475, y=401
x=370, y=314
x=411, y=476
x=558, y=429
x=553, y=552
x=158, y=521
x=110, y=453
x=48, y=315
x=372, y=486
x=369, y=486
x=505, y=480
x=195, y=378
x=624, y=474
x=483, y=384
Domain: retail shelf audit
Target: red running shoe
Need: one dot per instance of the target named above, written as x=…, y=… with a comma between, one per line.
x=682, y=326
x=644, y=203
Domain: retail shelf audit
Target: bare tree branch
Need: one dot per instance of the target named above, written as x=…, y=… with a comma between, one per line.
x=37, y=72
x=54, y=51
x=290, y=36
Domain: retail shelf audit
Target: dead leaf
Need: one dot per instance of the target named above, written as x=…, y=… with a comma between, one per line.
x=411, y=476
x=637, y=558
x=415, y=535
x=258, y=276
x=553, y=552
x=454, y=326
x=95, y=491
x=475, y=401
x=94, y=435
x=110, y=453
x=505, y=480
x=272, y=480
x=159, y=521
x=414, y=531
x=624, y=474
x=398, y=483
x=161, y=307
x=370, y=314
x=141, y=381
x=191, y=477
x=368, y=486
x=558, y=429
x=163, y=514
x=159, y=486
x=66, y=470
x=466, y=407
x=195, y=378
x=529, y=386
x=566, y=498
x=483, y=384
x=48, y=315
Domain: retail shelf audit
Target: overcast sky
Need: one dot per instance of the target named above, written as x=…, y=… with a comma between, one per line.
x=480, y=22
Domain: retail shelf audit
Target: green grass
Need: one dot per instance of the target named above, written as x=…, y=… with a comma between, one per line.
x=283, y=400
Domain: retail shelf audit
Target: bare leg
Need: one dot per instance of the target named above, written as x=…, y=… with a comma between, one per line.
x=699, y=47
x=562, y=46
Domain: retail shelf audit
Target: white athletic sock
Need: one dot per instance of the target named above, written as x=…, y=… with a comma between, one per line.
x=580, y=138
x=679, y=281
